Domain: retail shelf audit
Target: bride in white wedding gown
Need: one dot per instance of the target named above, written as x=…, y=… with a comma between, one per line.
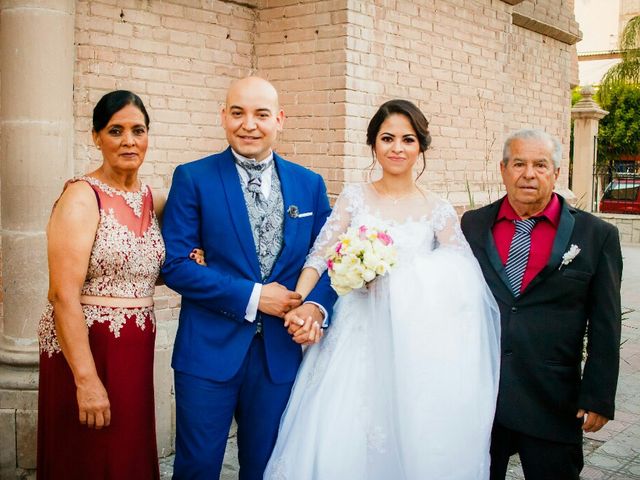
x=404, y=383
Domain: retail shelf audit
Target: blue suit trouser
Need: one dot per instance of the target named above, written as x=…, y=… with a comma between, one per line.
x=205, y=408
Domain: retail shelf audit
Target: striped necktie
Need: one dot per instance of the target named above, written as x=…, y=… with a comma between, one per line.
x=519, y=253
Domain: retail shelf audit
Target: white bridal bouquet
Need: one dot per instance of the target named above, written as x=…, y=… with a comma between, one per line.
x=360, y=255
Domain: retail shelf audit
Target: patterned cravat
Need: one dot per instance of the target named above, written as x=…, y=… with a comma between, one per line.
x=254, y=170
x=519, y=253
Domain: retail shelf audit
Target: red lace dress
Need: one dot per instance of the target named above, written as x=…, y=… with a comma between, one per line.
x=125, y=262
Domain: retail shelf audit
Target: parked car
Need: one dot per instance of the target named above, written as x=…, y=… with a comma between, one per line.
x=622, y=195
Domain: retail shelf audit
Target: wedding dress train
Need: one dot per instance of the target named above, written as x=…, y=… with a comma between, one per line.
x=404, y=383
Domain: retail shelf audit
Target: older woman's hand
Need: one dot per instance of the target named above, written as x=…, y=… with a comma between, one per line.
x=93, y=403
x=197, y=255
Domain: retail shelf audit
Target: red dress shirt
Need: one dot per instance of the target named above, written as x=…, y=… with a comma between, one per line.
x=542, y=236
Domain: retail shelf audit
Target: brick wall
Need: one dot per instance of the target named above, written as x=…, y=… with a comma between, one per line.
x=476, y=76
x=301, y=48
x=179, y=56
x=554, y=13
x=628, y=10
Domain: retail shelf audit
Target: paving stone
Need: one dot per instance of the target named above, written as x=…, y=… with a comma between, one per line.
x=593, y=473
x=605, y=461
x=617, y=450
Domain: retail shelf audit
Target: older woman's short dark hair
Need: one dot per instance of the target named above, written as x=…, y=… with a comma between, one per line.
x=113, y=102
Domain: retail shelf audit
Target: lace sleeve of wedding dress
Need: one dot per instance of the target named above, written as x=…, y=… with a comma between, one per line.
x=447, y=228
x=337, y=223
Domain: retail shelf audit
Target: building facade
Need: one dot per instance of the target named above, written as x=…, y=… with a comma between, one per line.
x=479, y=69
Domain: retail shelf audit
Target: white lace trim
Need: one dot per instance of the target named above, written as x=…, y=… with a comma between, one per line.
x=360, y=203
x=133, y=199
x=117, y=317
x=447, y=228
x=349, y=201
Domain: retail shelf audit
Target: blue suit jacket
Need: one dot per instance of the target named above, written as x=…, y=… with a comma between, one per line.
x=206, y=208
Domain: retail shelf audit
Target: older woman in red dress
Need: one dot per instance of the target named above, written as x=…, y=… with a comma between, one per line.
x=96, y=410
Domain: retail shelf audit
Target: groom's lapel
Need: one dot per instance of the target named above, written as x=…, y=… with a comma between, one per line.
x=289, y=189
x=237, y=208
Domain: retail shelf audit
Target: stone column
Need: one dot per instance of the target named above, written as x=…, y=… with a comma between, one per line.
x=586, y=115
x=36, y=149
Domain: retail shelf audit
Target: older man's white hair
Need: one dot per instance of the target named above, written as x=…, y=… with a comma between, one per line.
x=533, y=134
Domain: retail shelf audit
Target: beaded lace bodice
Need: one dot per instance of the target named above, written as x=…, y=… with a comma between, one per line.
x=125, y=261
x=128, y=250
x=417, y=224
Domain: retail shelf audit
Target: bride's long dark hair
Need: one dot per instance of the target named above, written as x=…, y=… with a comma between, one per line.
x=414, y=115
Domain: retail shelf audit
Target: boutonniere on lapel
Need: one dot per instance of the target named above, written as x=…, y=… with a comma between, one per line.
x=294, y=212
x=569, y=255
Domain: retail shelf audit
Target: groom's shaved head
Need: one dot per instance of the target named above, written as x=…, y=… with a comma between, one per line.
x=252, y=117
x=256, y=87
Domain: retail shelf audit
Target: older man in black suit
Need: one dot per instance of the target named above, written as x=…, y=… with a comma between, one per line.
x=555, y=272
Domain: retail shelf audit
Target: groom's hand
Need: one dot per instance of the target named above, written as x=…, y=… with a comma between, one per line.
x=277, y=300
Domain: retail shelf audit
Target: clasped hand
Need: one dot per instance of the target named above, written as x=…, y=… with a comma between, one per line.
x=302, y=321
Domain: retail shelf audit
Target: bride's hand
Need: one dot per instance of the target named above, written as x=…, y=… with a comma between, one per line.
x=371, y=284
x=197, y=255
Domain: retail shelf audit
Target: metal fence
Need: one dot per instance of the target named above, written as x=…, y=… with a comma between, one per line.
x=616, y=188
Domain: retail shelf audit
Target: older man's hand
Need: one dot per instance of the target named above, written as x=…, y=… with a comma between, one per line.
x=593, y=422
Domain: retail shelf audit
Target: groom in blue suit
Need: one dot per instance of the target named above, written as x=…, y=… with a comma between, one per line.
x=256, y=216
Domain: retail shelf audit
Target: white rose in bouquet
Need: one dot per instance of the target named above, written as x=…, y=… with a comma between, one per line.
x=358, y=257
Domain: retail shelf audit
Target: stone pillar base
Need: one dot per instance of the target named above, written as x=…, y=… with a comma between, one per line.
x=18, y=421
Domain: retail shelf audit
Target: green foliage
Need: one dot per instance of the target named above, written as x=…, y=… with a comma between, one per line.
x=627, y=72
x=619, y=132
x=575, y=95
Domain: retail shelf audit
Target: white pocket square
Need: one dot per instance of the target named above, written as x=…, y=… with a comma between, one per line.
x=306, y=214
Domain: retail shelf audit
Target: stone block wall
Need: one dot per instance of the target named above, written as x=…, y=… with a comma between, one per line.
x=628, y=226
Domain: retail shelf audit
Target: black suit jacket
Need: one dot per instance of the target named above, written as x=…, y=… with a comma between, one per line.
x=541, y=382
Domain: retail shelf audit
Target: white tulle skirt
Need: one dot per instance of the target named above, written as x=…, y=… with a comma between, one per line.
x=404, y=383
